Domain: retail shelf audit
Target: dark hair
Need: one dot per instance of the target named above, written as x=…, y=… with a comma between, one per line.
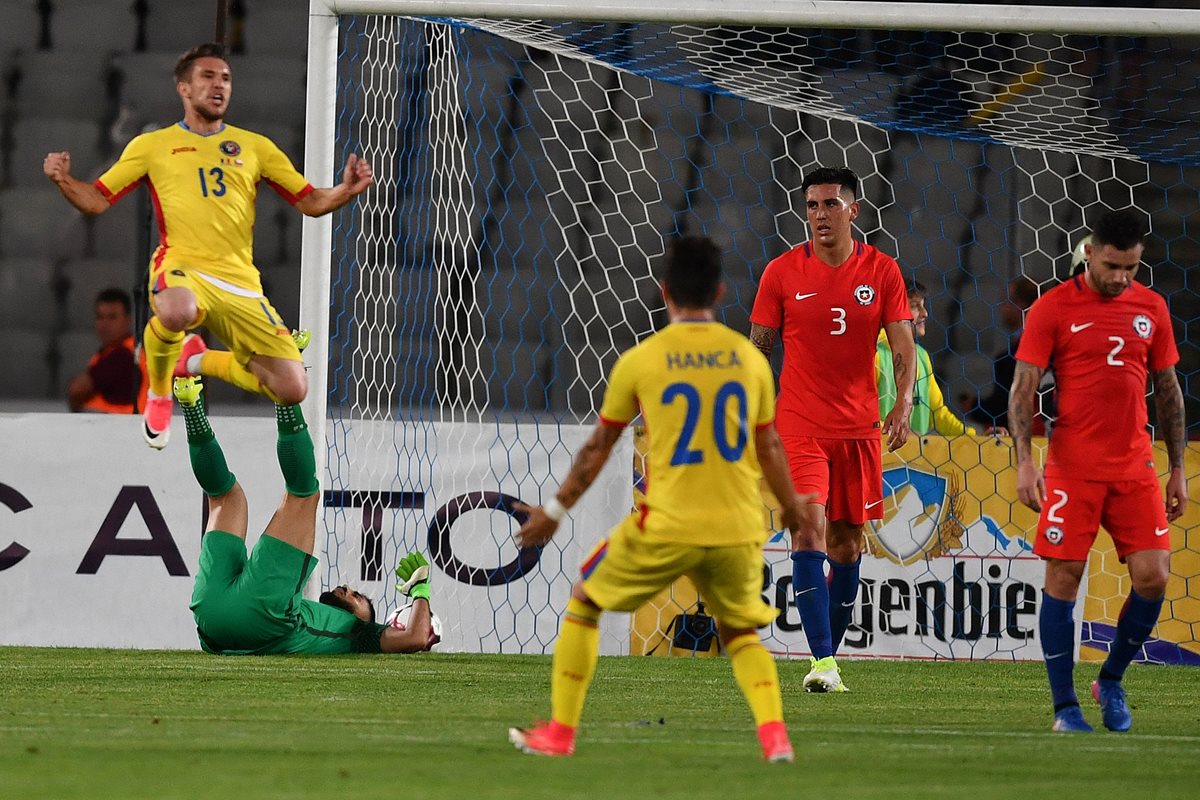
x=1122, y=229
x=914, y=287
x=693, y=272
x=331, y=599
x=842, y=176
x=114, y=295
x=183, y=67
x=1022, y=291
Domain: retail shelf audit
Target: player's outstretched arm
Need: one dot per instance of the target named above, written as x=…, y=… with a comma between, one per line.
x=356, y=177
x=773, y=461
x=543, y=521
x=1031, y=486
x=84, y=196
x=413, y=574
x=896, y=426
x=1168, y=407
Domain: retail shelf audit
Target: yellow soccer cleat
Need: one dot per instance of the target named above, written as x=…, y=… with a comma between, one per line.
x=301, y=337
x=187, y=390
x=824, y=676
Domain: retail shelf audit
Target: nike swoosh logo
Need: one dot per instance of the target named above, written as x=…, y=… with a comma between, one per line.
x=1161, y=531
x=848, y=605
x=869, y=506
x=806, y=591
x=1050, y=657
x=1077, y=328
x=805, y=296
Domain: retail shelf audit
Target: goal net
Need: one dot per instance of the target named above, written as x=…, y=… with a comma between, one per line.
x=530, y=174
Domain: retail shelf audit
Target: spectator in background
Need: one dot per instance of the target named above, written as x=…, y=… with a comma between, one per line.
x=930, y=412
x=1079, y=256
x=992, y=410
x=113, y=383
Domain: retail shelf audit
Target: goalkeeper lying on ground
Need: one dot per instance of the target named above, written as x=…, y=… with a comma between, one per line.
x=253, y=605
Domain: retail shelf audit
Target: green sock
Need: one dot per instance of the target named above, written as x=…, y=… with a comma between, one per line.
x=295, y=450
x=208, y=460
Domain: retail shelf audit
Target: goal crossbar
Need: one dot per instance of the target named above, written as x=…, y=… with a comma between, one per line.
x=813, y=13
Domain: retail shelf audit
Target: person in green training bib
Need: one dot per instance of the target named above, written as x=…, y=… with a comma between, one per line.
x=251, y=604
x=930, y=412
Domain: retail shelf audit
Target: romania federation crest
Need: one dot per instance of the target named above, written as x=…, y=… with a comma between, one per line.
x=230, y=148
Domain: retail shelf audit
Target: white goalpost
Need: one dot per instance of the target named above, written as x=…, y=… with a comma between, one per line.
x=534, y=159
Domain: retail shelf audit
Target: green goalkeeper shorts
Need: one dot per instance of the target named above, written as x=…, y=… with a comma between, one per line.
x=243, y=604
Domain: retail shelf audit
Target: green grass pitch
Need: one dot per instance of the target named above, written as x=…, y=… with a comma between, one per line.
x=128, y=724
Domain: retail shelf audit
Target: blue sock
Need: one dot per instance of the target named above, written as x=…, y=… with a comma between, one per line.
x=843, y=591
x=1056, y=622
x=812, y=600
x=1138, y=618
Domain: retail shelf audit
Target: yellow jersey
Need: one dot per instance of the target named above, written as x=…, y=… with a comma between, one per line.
x=203, y=188
x=700, y=387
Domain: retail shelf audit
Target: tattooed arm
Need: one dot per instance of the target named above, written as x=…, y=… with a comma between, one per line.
x=1168, y=405
x=904, y=365
x=1022, y=399
x=539, y=528
x=763, y=338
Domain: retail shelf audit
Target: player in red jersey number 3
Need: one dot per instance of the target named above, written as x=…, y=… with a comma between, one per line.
x=830, y=297
x=1105, y=335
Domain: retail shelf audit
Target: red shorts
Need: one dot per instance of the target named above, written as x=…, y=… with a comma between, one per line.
x=845, y=474
x=1133, y=512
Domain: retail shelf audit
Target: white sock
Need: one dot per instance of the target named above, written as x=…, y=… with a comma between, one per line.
x=193, y=363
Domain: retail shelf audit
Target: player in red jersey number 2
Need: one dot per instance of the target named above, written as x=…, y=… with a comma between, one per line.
x=830, y=297
x=1104, y=335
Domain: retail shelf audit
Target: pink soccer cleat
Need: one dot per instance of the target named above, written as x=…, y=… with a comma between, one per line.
x=156, y=421
x=544, y=739
x=193, y=345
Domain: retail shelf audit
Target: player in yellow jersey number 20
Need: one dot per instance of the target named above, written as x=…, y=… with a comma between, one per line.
x=203, y=176
x=707, y=397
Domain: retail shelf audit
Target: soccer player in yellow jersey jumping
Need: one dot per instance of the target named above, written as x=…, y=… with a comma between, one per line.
x=203, y=176
x=707, y=397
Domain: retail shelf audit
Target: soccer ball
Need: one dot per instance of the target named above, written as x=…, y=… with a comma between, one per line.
x=398, y=619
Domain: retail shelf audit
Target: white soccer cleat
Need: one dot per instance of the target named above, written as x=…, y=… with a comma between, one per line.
x=823, y=677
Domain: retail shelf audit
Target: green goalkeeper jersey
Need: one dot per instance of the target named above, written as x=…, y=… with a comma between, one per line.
x=253, y=605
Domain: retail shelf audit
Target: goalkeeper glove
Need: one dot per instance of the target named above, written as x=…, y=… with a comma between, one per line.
x=413, y=572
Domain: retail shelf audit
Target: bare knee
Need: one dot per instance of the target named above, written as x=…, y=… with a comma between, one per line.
x=1063, y=578
x=176, y=308
x=578, y=593
x=1151, y=584
x=845, y=542
x=811, y=535
x=286, y=380
x=289, y=388
x=227, y=512
x=1149, y=571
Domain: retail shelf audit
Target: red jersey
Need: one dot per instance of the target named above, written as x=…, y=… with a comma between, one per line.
x=830, y=318
x=1102, y=350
